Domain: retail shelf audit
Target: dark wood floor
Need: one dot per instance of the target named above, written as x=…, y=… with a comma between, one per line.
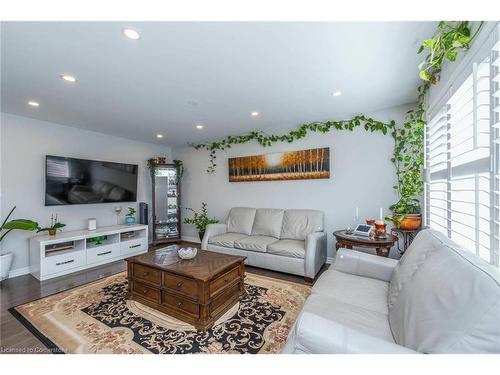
x=15, y=338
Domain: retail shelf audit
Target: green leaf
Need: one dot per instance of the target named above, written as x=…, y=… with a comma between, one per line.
x=424, y=75
x=21, y=224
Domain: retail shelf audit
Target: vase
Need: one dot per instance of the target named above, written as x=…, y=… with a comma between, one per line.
x=130, y=220
x=5, y=264
x=411, y=222
x=201, y=234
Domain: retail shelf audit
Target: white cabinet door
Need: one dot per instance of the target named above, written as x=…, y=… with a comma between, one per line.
x=135, y=246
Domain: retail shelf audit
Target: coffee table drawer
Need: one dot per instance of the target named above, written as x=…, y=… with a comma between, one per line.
x=147, y=274
x=223, y=280
x=181, y=304
x=146, y=292
x=183, y=285
x=225, y=296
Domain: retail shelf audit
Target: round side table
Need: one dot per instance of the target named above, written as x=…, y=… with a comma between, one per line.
x=381, y=246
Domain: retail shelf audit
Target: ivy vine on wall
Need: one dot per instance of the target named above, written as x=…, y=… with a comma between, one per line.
x=449, y=39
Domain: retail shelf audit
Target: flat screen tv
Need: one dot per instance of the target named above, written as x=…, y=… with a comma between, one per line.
x=81, y=181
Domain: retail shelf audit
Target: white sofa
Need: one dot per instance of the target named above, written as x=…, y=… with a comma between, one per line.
x=291, y=241
x=439, y=298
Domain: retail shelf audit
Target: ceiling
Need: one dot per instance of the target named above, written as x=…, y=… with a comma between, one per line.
x=179, y=74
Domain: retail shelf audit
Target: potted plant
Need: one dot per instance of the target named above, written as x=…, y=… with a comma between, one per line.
x=200, y=220
x=406, y=214
x=54, y=226
x=6, y=228
x=130, y=217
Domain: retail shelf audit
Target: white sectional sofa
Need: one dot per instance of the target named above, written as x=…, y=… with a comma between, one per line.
x=439, y=298
x=291, y=241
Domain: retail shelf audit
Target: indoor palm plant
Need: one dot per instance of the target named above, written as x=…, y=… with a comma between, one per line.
x=6, y=228
x=200, y=219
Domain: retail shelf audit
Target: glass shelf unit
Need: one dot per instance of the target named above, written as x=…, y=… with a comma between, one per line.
x=166, y=199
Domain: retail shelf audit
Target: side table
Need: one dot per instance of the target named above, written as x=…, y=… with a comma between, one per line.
x=407, y=236
x=381, y=246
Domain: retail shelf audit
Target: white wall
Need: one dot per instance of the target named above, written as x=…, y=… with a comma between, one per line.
x=361, y=175
x=24, y=144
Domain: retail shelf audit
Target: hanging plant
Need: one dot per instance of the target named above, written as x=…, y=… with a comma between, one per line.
x=152, y=166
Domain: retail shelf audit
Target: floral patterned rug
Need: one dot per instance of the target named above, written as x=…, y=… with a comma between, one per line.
x=96, y=318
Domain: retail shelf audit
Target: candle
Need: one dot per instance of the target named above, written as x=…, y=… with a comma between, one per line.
x=381, y=214
x=356, y=213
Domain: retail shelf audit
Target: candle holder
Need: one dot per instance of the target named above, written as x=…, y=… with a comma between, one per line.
x=380, y=229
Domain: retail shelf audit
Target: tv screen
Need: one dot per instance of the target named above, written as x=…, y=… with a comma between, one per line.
x=80, y=181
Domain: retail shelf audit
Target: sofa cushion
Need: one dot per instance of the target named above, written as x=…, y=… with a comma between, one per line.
x=355, y=317
x=360, y=291
x=288, y=248
x=448, y=299
x=254, y=243
x=240, y=220
x=297, y=224
x=226, y=239
x=268, y=222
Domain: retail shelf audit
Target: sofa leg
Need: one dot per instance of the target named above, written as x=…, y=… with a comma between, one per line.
x=308, y=280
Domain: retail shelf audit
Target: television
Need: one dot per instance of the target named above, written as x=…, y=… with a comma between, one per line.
x=81, y=181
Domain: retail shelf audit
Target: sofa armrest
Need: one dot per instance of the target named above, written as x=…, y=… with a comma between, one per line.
x=316, y=335
x=210, y=231
x=362, y=264
x=315, y=253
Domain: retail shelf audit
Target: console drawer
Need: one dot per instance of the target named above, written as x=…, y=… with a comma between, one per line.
x=182, y=285
x=181, y=304
x=223, y=280
x=100, y=253
x=134, y=246
x=62, y=262
x=147, y=274
x=146, y=291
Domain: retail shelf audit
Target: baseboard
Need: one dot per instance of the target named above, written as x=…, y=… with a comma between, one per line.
x=19, y=272
x=191, y=239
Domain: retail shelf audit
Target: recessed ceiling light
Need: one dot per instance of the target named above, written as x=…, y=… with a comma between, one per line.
x=255, y=114
x=199, y=126
x=33, y=104
x=337, y=93
x=131, y=34
x=159, y=135
x=68, y=78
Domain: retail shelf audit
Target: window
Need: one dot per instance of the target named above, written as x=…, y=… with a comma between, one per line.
x=462, y=153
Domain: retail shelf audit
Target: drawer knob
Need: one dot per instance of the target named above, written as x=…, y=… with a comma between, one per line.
x=179, y=304
x=145, y=274
x=145, y=291
x=179, y=284
x=226, y=280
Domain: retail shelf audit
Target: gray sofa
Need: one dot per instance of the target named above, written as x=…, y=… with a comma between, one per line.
x=291, y=241
x=439, y=298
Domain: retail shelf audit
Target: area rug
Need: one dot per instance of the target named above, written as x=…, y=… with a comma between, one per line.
x=97, y=318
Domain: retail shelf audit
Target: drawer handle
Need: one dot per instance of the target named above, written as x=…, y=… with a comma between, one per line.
x=133, y=246
x=179, y=304
x=145, y=291
x=179, y=284
x=106, y=252
x=68, y=261
x=144, y=274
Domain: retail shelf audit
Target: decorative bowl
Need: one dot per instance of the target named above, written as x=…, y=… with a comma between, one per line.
x=187, y=252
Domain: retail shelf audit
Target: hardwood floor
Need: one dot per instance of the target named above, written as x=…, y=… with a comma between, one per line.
x=15, y=338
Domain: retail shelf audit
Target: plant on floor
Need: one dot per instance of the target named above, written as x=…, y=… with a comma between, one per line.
x=16, y=224
x=200, y=219
x=54, y=226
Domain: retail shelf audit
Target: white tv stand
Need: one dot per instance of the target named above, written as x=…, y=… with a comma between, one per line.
x=67, y=252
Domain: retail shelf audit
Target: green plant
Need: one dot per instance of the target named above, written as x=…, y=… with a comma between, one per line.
x=153, y=166
x=200, y=219
x=54, y=225
x=131, y=211
x=180, y=169
x=16, y=224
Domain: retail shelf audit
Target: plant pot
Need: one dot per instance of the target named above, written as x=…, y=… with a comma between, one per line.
x=411, y=222
x=52, y=232
x=5, y=264
x=130, y=220
x=201, y=234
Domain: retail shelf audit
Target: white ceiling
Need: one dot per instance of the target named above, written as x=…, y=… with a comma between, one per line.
x=182, y=73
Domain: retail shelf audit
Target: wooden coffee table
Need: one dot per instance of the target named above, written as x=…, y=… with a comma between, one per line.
x=196, y=291
x=381, y=246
